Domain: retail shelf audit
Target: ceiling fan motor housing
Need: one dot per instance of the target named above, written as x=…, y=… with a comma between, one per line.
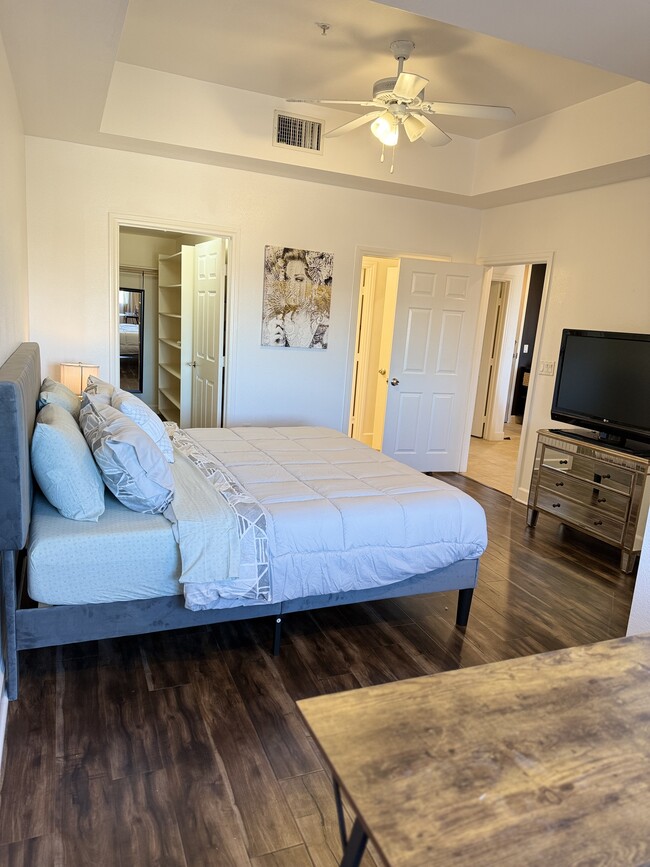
x=382, y=91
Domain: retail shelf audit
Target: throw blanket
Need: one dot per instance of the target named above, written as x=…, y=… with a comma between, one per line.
x=222, y=539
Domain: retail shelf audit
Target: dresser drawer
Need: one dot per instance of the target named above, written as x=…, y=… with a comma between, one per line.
x=589, y=469
x=591, y=519
x=595, y=496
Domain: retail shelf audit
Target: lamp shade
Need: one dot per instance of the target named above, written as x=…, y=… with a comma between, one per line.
x=386, y=129
x=74, y=375
x=414, y=127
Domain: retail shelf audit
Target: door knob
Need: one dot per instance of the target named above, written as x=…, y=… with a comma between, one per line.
x=382, y=371
x=191, y=363
x=394, y=381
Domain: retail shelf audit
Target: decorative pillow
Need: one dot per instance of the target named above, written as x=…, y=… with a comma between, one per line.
x=64, y=467
x=132, y=465
x=138, y=411
x=58, y=394
x=101, y=391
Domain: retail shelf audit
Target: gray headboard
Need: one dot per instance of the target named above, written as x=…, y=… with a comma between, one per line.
x=20, y=381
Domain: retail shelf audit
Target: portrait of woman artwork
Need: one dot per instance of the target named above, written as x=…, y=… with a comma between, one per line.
x=297, y=297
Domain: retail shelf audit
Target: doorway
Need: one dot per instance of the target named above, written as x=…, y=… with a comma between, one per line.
x=183, y=278
x=413, y=359
x=373, y=345
x=507, y=374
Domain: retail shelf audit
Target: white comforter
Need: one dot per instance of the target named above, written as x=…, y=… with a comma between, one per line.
x=341, y=516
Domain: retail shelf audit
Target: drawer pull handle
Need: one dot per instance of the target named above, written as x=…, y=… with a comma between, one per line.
x=556, y=505
x=564, y=462
x=597, y=523
x=559, y=484
x=606, y=476
x=601, y=500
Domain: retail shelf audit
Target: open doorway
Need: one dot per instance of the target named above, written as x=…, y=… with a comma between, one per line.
x=181, y=279
x=413, y=361
x=506, y=374
x=373, y=346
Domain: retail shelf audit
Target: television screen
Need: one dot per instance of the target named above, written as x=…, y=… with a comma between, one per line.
x=603, y=383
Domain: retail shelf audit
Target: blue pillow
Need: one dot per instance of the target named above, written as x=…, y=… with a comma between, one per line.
x=64, y=467
x=59, y=394
x=132, y=466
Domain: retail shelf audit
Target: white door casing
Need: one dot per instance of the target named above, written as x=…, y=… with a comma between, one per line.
x=490, y=354
x=208, y=357
x=432, y=363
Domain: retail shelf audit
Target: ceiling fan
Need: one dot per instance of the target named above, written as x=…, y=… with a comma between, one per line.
x=399, y=102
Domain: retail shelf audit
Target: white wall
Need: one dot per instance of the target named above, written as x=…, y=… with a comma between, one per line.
x=72, y=189
x=599, y=278
x=13, y=220
x=640, y=611
x=13, y=250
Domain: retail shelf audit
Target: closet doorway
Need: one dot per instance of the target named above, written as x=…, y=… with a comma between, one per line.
x=185, y=329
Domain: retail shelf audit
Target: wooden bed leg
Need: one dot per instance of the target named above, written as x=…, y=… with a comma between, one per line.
x=277, y=635
x=464, y=604
x=9, y=621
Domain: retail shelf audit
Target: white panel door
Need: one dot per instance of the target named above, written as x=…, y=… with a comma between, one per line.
x=431, y=363
x=208, y=327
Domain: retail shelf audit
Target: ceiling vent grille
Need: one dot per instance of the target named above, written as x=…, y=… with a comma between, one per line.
x=290, y=131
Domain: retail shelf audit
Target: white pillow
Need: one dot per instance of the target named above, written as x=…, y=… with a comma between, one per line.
x=101, y=391
x=138, y=411
x=60, y=395
x=132, y=465
x=64, y=467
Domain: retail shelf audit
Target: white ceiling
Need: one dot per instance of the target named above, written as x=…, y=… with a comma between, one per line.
x=277, y=48
x=62, y=54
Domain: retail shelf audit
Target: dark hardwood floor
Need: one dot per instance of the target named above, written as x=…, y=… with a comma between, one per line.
x=185, y=748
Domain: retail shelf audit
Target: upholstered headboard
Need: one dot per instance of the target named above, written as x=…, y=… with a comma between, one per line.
x=20, y=380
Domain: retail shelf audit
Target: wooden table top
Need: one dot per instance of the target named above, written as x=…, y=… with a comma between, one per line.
x=541, y=760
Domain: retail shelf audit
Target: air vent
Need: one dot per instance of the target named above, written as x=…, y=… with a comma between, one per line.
x=290, y=131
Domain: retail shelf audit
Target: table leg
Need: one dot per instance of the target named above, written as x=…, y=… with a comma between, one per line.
x=356, y=846
x=340, y=816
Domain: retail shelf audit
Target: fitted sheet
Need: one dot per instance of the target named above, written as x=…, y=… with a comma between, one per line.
x=342, y=516
x=125, y=555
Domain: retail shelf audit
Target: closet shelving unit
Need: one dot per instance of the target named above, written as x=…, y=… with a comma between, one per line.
x=175, y=284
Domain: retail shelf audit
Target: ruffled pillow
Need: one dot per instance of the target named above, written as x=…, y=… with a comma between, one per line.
x=132, y=466
x=138, y=411
x=101, y=391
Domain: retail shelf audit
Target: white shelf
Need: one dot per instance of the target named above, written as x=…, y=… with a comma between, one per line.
x=171, y=397
x=170, y=368
x=175, y=344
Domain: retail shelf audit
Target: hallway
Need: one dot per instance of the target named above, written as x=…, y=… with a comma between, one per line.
x=493, y=463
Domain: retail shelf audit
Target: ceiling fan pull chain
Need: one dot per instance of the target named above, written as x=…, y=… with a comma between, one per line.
x=392, y=162
x=383, y=148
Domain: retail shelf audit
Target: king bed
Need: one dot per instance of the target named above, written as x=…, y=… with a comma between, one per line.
x=263, y=521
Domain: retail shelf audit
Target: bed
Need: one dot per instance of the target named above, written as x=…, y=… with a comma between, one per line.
x=129, y=338
x=307, y=503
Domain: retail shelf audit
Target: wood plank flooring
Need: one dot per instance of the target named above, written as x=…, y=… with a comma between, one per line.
x=184, y=749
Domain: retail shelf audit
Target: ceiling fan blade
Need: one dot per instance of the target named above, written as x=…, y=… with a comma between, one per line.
x=462, y=109
x=409, y=85
x=353, y=124
x=432, y=135
x=334, y=101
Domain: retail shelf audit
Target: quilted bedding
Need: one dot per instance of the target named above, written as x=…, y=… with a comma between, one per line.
x=339, y=515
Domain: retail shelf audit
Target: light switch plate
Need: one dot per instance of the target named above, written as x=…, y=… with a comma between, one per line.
x=547, y=368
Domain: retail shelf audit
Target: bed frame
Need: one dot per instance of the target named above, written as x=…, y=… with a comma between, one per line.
x=25, y=627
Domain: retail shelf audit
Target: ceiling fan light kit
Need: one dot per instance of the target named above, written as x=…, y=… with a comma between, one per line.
x=399, y=101
x=386, y=129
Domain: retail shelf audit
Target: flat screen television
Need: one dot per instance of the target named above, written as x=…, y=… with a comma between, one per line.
x=603, y=384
